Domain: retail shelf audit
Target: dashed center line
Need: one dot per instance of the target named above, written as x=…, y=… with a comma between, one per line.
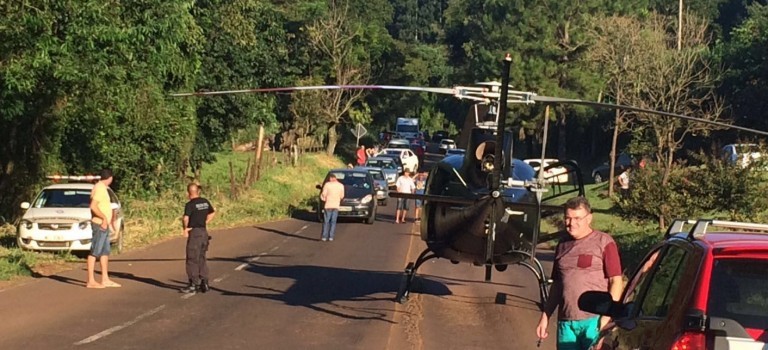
x=122, y=326
x=256, y=258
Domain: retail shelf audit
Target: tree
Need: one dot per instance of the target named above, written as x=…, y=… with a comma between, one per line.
x=336, y=37
x=619, y=51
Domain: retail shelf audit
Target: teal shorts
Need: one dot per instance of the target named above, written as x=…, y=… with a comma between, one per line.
x=577, y=334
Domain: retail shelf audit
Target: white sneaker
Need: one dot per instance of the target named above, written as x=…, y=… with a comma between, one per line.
x=330, y=239
x=325, y=239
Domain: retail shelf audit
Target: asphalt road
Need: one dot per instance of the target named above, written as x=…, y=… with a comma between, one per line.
x=276, y=286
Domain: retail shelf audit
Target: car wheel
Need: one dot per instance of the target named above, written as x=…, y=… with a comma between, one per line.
x=598, y=179
x=371, y=218
x=320, y=216
x=120, y=238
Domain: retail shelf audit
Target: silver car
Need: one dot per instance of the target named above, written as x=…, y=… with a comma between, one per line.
x=382, y=185
x=388, y=166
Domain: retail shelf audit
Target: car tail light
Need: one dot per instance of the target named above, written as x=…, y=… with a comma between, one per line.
x=690, y=341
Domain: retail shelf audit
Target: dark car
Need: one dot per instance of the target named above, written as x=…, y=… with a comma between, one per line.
x=702, y=289
x=603, y=172
x=359, y=194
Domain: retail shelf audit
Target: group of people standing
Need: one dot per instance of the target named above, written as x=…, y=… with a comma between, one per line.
x=409, y=183
x=198, y=212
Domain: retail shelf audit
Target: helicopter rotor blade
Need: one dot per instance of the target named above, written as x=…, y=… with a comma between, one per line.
x=447, y=91
x=549, y=99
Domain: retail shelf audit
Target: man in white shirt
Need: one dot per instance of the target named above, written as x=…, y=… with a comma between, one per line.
x=404, y=184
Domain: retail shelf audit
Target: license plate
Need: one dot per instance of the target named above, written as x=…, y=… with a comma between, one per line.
x=345, y=209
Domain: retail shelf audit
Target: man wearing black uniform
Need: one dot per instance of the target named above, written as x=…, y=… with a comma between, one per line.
x=197, y=213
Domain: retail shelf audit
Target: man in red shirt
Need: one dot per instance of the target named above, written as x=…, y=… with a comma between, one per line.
x=361, y=156
x=586, y=260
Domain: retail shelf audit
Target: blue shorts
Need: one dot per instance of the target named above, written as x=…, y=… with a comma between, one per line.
x=419, y=201
x=99, y=241
x=577, y=334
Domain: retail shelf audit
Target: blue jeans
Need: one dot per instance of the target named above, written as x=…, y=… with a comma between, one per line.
x=329, y=222
x=100, y=240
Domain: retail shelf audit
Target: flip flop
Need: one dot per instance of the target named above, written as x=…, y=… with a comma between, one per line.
x=112, y=284
x=94, y=286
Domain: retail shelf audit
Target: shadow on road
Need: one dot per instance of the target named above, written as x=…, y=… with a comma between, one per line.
x=283, y=233
x=317, y=287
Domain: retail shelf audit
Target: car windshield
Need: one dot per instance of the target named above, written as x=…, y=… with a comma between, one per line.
x=63, y=198
x=353, y=179
x=384, y=164
x=393, y=152
x=739, y=291
x=377, y=175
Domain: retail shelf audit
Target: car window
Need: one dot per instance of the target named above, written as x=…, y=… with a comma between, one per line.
x=63, y=198
x=739, y=291
x=637, y=282
x=377, y=175
x=112, y=196
x=663, y=283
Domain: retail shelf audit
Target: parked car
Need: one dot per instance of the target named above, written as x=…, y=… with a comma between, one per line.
x=399, y=143
x=382, y=185
x=59, y=218
x=359, y=194
x=446, y=144
x=455, y=151
x=703, y=288
x=558, y=175
x=388, y=165
x=603, y=171
x=741, y=154
x=407, y=157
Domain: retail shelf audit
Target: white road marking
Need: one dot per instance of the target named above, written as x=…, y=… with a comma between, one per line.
x=217, y=280
x=241, y=267
x=302, y=229
x=256, y=258
x=188, y=295
x=122, y=326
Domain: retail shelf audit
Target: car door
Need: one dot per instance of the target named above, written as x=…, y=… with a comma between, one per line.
x=655, y=300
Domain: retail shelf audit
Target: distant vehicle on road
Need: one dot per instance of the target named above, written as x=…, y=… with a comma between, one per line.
x=741, y=154
x=382, y=185
x=407, y=128
x=399, y=143
x=602, y=172
x=558, y=175
x=388, y=165
x=446, y=144
x=407, y=157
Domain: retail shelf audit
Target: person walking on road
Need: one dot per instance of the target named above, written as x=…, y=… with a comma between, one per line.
x=404, y=184
x=102, y=221
x=585, y=260
x=332, y=194
x=420, y=180
x=198, y=212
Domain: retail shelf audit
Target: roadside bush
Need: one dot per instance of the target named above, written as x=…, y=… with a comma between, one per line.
x=710, y=188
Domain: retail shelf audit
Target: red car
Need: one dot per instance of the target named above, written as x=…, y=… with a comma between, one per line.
x=702, y=289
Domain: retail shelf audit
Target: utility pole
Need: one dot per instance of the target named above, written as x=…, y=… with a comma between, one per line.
x=680, y=26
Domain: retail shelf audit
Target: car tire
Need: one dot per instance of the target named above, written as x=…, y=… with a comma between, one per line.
x=598, y=178
x=119, y=242
x=371, y=218
x=320, y=216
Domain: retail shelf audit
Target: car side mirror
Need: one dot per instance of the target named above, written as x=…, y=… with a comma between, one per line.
x=317, y=186
x=600, y=303
x=25, y=205
x=114, y=206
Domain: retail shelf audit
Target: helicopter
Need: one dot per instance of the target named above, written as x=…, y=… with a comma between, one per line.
x=486, y=207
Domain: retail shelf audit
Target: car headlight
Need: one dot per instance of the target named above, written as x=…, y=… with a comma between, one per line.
x=366, y=199
x=84, y=224
x=26, y=224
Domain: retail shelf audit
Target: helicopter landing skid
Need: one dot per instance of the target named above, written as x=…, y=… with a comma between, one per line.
x=534, y=265
x=410, y=272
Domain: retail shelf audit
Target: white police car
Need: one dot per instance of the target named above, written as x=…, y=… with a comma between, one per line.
x=59, y=219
